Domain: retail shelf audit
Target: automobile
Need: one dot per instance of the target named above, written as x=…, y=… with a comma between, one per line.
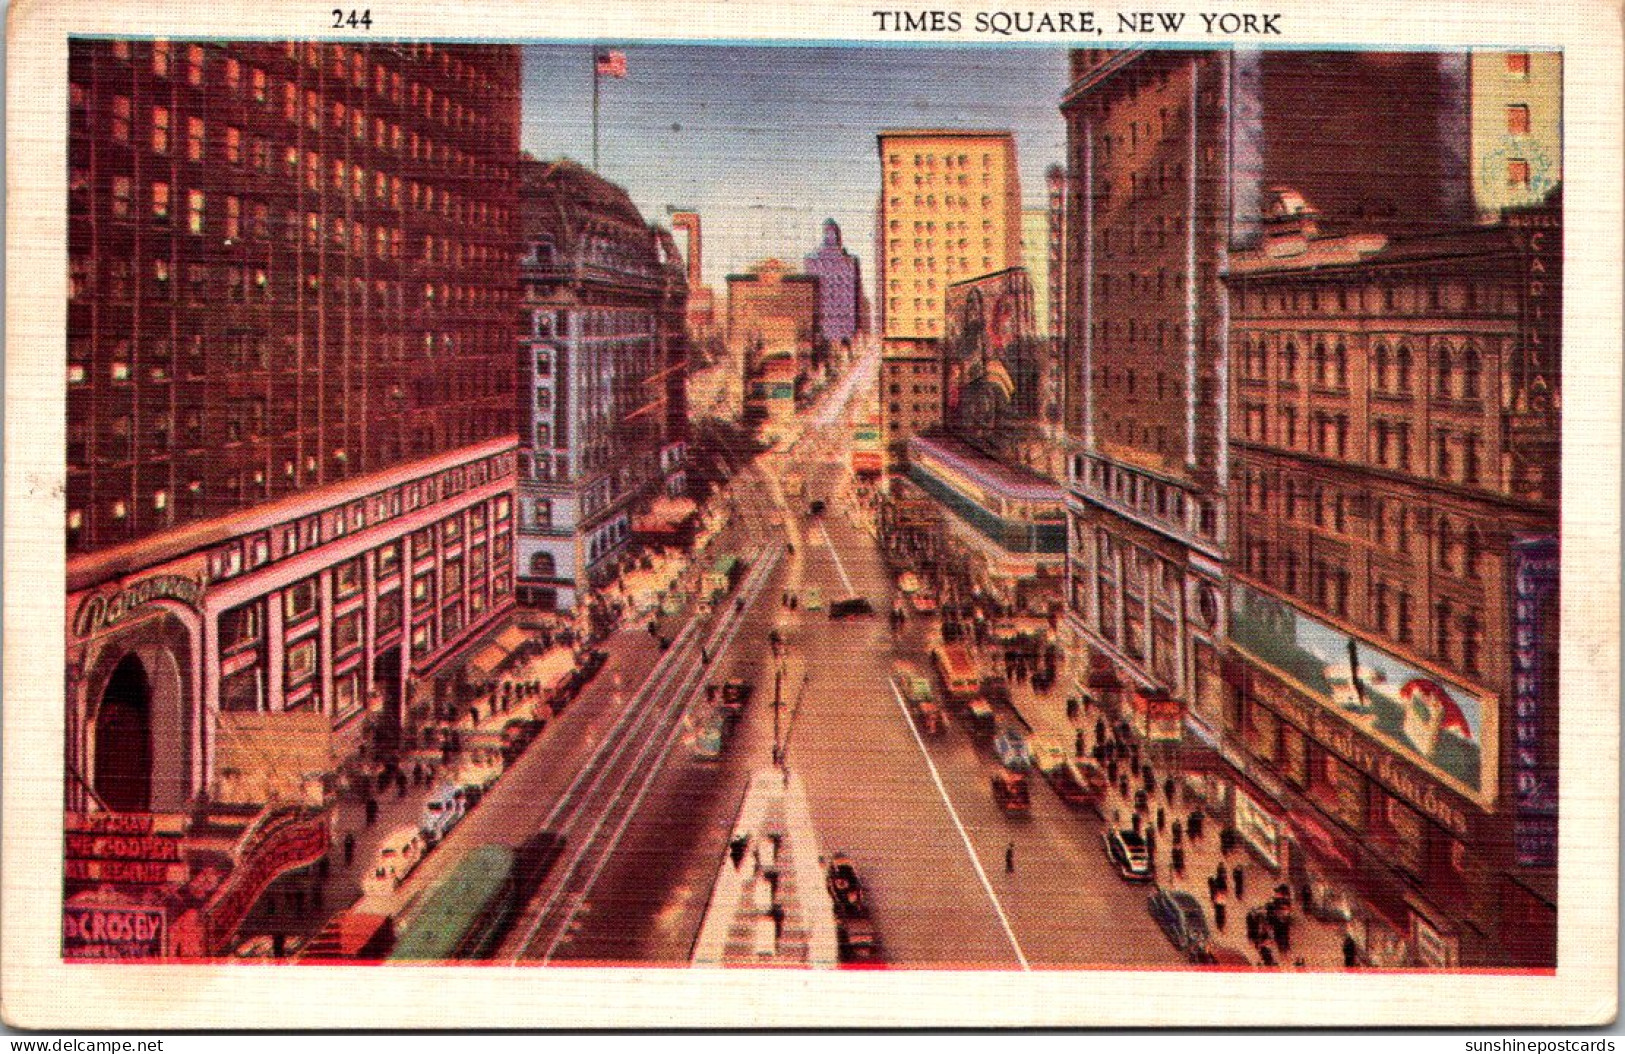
x=924, y=603
x=930, y=715
x=850, y=607
x=815, y=508
x=855, y=932
x=711, y=738
x=1078, y=782
x=519, y=734
x=983, y=723
x=1180, y=916
x=441, y=813
x=909, y=582
x=399, y=852
x=813, y=599
x=1126, y=851
x=736, y=694
x=1010, y=746
x=1010, y=792
x=845, y=888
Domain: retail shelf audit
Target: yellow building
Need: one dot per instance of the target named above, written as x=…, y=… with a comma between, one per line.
x=950, y=209
x=1517, y=128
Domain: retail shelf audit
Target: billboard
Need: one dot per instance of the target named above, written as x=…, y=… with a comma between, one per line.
x=991, y=356
x=1443, y=728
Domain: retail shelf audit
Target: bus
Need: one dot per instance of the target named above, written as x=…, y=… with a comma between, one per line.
x=467, y=914
x=960, y=675
x=866, y=459
x=723, y=576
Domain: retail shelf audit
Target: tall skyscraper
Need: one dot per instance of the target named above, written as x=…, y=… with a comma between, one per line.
x=950, y=210
x=290, y=405
x=839, y=286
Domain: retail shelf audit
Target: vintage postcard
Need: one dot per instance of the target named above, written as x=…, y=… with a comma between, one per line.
x=713, y=514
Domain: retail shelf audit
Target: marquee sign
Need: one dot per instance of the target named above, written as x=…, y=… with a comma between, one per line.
x=101, y=611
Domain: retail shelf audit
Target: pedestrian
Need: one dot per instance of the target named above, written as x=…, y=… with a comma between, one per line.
x=1099, y=754
x=1077, y=744
x=1266, y=954
x=1135, y=820
x=1179, y=833
x=1151, y=845
x=1072, y=713
x=1221, y=879
x=1179, y=859
x=1140, y=801
x=705, y=656
x=1010, y=858
x=1218, y=909
x=1162, y=819
x=1237, y=880
x=417, y=774
x=1122, y=784
x=1195, y=825
x=1100, y=730
x=473, y=717
x=1168, y=789
x=349, y=847
x=1351, y=951
x=1283, y=934
x=400, y=784
x=1111, y=769
x=372, y=810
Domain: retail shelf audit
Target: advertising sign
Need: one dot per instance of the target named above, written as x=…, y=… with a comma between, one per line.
x=125, y=848
x=91, y=931
x=1534, y=598
x=1445, y=730
x=279, y=845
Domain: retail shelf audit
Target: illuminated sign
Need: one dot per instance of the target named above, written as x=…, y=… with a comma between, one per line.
x=280, y=846
x=1534, y=592
x=101, y=611
x=93, y=932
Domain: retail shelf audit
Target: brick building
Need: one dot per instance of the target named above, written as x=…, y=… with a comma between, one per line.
x=290, y=391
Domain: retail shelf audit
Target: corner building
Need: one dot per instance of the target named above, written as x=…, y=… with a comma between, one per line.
x=290, y=392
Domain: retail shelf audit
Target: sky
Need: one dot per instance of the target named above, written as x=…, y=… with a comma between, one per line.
x=767, y=142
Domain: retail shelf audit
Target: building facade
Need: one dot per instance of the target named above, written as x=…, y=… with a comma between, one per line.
x=950, y=209
x=772, y=312
x=1392, y=533
x=840, y=286
x=290, y=408
x=1517, y=128
x=601, y=365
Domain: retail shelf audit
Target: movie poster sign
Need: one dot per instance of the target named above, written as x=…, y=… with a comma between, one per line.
x=102, y=932
x=1442, y=728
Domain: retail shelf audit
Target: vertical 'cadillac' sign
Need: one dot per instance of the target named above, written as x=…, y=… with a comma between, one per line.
x=1534, y=590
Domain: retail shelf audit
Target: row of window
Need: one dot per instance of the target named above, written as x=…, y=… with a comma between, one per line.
x=1455, y=365
x=1147, y=496
x=1444, y=296
x=237, y=79
x=949, y=161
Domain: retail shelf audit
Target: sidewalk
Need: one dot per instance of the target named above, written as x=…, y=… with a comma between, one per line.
x=1319, y=944
x=769, y=907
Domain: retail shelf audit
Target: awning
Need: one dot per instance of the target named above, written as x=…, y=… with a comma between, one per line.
x=666, y=515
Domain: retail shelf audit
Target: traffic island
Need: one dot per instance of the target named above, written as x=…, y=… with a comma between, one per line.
x=769, y=906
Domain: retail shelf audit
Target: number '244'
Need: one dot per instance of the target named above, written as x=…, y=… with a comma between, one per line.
x=353, y=19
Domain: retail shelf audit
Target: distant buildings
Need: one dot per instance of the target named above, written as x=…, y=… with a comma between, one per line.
x=950, y=209
x=290, y=446
x=1035, y=259
x=772, y=320
x=839, y=287
x=600, y=365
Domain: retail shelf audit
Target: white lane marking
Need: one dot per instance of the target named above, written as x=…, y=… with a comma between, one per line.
x=963, y=834
x=851, y=590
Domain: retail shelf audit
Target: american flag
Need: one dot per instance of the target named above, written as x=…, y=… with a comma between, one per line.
x=611, y=64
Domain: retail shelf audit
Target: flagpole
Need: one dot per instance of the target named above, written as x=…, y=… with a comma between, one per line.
x=595, y=110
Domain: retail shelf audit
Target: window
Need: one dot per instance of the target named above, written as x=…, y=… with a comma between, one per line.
x=194, y=64
x=1518, y=65
x=160, y=130
x=1517, y=173
x=162, y=57
x=121, y=118
x=194, y=139
x=1517, y=119
x=299, y=600
x=301, y=662
x=234, y=145
x=194, y=211
x=242, y=626
x=347, y=578
x=347, y=632
x=388, y=612
x=121, y=193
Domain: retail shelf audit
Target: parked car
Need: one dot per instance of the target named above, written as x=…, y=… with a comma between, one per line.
x=441, y=813
x=397, y=855
x=1010, y=792
x=1079, y=783
x=1010, y=746
x=1180, y=916
x=519, y=734
x=850, y=607
x=1126, y=851
x=979, y=715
